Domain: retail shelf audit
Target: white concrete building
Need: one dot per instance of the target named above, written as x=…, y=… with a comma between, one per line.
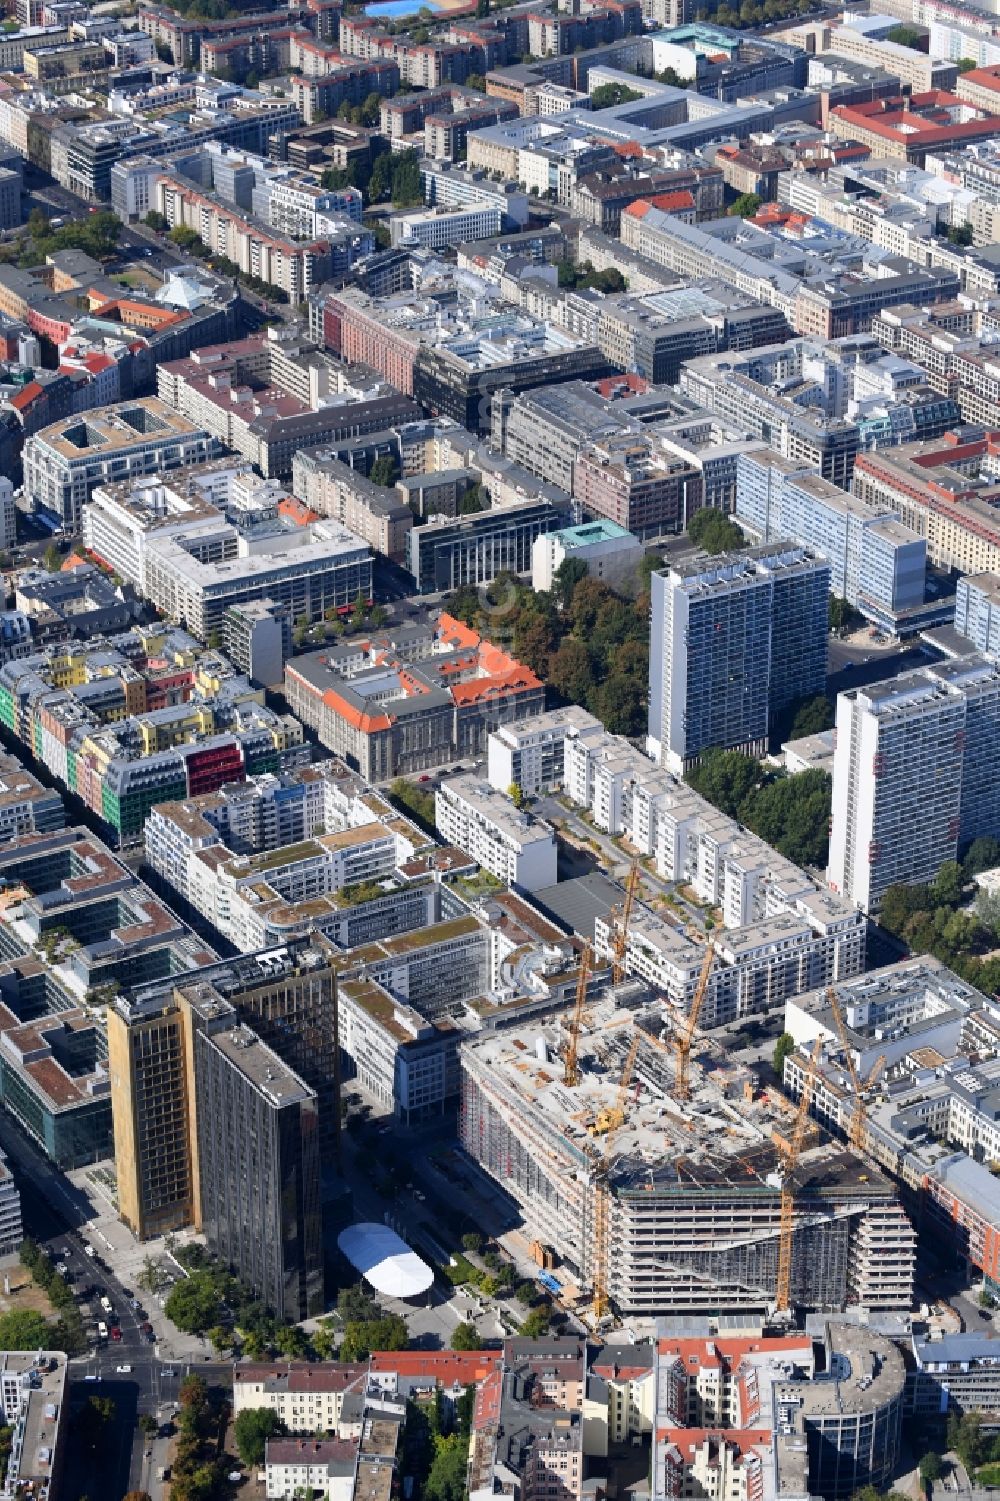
x=11, y=1229
x=609, y=551
x=516, y=848
x=531, y=753
x=914, y=776
x=440, y=228
x=308, y=1398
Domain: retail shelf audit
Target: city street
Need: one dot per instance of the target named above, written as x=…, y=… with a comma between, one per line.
x=63, y=1221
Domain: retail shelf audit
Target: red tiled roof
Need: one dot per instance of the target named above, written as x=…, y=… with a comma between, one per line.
x=446, y=1366
x=26, y=396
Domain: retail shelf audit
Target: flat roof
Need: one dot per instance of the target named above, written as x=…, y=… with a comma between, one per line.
x=384, y=1260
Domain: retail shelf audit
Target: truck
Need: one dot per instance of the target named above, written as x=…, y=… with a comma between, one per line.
x=106, y=1305
x=102, y=1330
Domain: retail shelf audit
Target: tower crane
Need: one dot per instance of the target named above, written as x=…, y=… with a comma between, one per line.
x=859, y=1088
x=602, y=1192
x=685, y=1038
x=621, y=927
x=571, y=1066
x=783, y=1294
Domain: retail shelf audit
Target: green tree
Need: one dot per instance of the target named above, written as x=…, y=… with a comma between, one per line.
x=838, y=613
x=746, y=205
x=446, y=1480
x=252, y=1429
x=193, y=1304
x=476, y=81
x=948, y=885
x=607, y=94
x=565, y=579
x=184, y=237
x=155, y=220
x=714, y=533
x=812, y=717
x=516, y=795
x=53, y=557
x=93, y=1418
x=727, y=778
x=474, y=500
x=472, y=1241
x=146, y=1424
x=983, y=854
x=24, y=1329
x=906, y=36
x=466, y=1337
x=525, y=1293
x=966, y=64
x=784, y=1045
x=930, y=1467
x=385, y=1333
x=537, y=1322
x=384, y=471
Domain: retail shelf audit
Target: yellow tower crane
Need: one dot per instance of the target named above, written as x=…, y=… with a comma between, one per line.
x=602, y=1193
x=621, y=927
x=859, y=1088
x=685, y=1039
x=571, y=1065
x=783, y=1293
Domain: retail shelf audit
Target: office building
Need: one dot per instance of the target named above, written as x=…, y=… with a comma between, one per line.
x=914, y=776
x=455, y=552
x=65, y=462
x=410, y=699
x=258, y=1168
x=213, y=1130
x=195, y=561
x=733, y=640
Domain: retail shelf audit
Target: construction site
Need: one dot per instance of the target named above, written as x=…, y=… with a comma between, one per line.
x=653, y=1175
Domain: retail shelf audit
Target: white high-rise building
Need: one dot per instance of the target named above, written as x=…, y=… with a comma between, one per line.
x=914, y=776
x=732, y=640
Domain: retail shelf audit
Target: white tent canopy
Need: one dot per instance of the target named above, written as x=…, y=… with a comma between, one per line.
x=384, y=1260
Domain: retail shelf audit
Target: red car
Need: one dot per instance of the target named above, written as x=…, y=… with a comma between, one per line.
x=116, y=1332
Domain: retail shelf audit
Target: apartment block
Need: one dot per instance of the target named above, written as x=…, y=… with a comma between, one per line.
x=33, y=1399
x=977, y=611
x=876, y=563
x=336, y=489
x=515, y=847
x=733, y=641
x=258, y=251
x=531, y=755
x=129, y=721
x=920, y=741
x=408, y=1003
x=308, y=1398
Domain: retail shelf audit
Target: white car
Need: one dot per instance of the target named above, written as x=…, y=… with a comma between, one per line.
x=123, y=1370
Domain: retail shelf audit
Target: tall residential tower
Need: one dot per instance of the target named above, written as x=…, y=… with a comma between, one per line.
x=733, y=639
x=914, y=776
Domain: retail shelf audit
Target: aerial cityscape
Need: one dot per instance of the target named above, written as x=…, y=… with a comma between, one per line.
x=500, y=750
